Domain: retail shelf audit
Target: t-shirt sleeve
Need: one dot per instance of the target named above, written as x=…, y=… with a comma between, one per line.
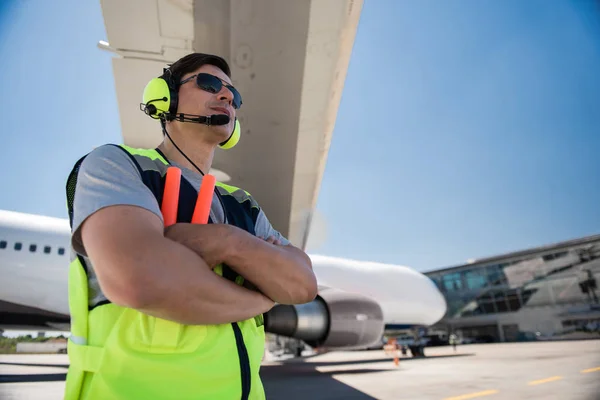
x=264, y=229
x=108, y=176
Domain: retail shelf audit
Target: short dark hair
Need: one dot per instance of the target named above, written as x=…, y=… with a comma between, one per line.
x=193, y=61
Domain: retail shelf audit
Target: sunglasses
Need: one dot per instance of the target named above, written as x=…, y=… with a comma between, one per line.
x=213, y=84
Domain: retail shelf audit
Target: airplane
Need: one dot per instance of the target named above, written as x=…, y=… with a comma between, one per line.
x=290, y=61
x=357, y=301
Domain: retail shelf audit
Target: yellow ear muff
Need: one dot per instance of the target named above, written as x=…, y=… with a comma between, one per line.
x=156, y=98
x=233, y=139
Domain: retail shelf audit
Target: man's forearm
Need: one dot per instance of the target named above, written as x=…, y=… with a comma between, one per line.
x=282, y=273
x=174, y=283
x=189, y=292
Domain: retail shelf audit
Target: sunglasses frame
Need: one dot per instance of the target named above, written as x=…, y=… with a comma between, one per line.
x=232, y=89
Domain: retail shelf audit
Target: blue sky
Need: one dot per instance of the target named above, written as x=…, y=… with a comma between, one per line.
x=466, y=129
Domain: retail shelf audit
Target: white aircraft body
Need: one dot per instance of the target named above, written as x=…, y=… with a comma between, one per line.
x=289, y=60
x=356, y=300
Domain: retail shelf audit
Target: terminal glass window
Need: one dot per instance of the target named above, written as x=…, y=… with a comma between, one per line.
x=525, y=295
x=496, y=275
x=500, y=299
x=452, y=282
x=512, y=298
x=475, y=279
x=549, y=257
x=487, y=308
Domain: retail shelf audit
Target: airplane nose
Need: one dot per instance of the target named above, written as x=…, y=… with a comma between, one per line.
x=423, y=297
x=410, y=296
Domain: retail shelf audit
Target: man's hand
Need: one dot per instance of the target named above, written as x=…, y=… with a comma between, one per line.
x=205, y=246
x=273, y=240
x=282, y=273
x=211, y=245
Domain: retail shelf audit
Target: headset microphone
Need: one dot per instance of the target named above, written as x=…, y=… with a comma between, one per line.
x=215, y=119
x=218, y=119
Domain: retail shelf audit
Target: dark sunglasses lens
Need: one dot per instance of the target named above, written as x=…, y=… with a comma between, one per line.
x=209, y=83
x=213, y=84
x=237, y=98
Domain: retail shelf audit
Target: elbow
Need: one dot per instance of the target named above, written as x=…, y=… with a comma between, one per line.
x=130, y=293
x=137, y=300
x=303, y=290
x=128, y=296
x=306, y=287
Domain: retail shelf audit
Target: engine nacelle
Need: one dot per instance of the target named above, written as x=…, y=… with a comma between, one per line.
x=335, y=320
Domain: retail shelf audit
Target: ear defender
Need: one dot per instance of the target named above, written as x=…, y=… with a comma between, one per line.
x=157, y=99
x=233, y=139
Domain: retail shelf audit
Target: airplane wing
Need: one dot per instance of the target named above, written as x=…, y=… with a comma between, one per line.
x=288, y=59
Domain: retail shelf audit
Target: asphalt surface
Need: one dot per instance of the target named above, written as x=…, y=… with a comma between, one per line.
x=541, y=370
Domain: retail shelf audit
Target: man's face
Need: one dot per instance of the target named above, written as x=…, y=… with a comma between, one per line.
x=194, y=100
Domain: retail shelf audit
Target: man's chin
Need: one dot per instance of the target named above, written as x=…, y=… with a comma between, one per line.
x=222, y=131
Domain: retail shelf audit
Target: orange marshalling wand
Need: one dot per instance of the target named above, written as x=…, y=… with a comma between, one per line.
x=204, y=202
x=170, y=201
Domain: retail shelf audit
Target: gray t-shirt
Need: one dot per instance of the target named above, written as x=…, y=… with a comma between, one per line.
x=107, y=177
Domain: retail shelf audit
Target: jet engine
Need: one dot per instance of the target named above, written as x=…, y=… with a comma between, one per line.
x=334, y=320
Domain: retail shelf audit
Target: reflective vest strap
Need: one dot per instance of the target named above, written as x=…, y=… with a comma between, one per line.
x=149, y=153
x=85, y=358
x=78, y=298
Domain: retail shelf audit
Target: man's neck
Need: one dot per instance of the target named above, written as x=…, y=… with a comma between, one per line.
x=191, y=143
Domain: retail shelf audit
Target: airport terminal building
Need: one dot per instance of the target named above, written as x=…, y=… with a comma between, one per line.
x=547, y=292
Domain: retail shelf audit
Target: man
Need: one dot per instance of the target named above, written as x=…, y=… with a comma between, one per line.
x=177, y=312
x=453, y=340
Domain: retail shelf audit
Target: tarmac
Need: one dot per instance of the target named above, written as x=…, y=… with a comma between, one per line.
x=536, y=370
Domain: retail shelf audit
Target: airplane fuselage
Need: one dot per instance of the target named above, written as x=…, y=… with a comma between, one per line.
x=35, y=254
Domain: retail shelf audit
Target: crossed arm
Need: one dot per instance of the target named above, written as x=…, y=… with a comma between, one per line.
x=168, y=274
x=282, y=273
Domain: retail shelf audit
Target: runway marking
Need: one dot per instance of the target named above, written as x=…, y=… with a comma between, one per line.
x=585, y=371
x=540, y=381
x=473, y=395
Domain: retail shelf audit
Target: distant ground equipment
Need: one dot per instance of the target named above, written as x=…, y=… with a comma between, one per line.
x=45, y=347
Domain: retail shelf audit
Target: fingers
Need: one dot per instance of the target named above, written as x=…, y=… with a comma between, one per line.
x=273, y=240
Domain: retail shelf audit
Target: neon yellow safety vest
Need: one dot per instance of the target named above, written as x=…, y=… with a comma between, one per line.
x=121, y=353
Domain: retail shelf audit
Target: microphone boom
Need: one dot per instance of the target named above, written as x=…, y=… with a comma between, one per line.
x=215, y=119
